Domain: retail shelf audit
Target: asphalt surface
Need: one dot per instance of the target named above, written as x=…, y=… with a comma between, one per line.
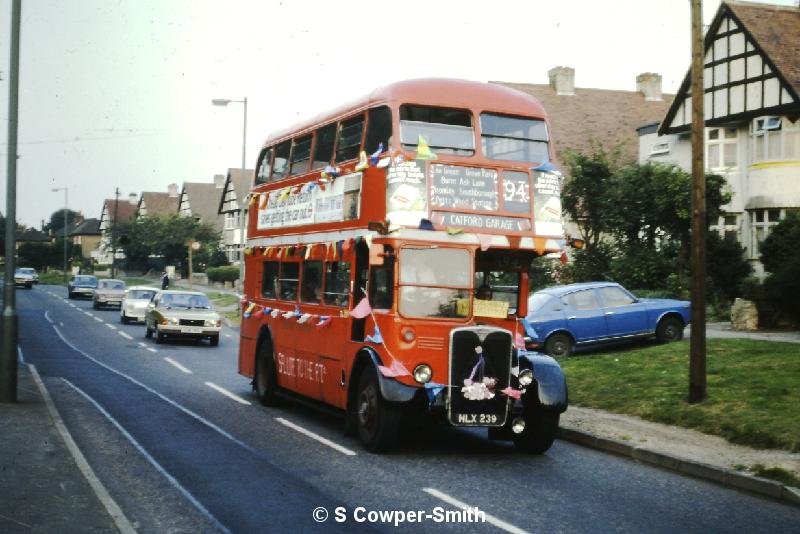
x=182, y=445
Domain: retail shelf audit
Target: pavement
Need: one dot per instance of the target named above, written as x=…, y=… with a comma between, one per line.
x=48, y=486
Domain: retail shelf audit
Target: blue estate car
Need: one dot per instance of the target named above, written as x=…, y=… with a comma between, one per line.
x=562, y=317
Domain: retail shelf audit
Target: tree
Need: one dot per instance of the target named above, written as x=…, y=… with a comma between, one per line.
x=153, y=242
x=781, y=259
x=56, y=222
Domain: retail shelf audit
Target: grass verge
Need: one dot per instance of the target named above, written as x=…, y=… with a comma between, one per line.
x=753, y=398
x=222, y=299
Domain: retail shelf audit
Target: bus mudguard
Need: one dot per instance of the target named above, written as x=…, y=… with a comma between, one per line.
x=392, y=390
x=550, y=381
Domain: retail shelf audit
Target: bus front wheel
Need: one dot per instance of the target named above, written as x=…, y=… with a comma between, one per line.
x=266, y=381
x=540, y=431
x=377, y=421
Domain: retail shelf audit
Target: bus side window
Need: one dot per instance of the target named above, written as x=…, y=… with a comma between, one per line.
x=337, y=283
x=301, y=155
x=350, y=133
x=379, y=129
x=287, y=282
x=269, y=279
x=323, y=149
x=381, y=283
x=264, y=166
x=312, y=282
x=281, y=161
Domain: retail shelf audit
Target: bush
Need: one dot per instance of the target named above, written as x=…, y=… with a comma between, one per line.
x=223, y=274
x=640, y=266
x=590, y=265
x=726, y=266
x=781, y=259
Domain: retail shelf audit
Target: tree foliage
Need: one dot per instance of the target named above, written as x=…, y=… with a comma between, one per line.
x=781, y=258
x=56, y=221
x=154, y=242
x=43, y=255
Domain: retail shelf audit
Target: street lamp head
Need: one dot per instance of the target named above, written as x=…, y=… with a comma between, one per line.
x=221, y=101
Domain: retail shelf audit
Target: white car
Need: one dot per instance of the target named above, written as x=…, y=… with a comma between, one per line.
x=134, y=303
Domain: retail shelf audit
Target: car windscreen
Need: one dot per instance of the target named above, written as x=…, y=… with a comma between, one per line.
x=109, y=284
x=140, y=294
x=537, y=301
x=184, y=300
x=85, y=281
x=25, y=270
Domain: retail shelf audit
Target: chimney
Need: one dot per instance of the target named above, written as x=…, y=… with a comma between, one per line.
x=219, y=180
x=172, y=190
x=649, y=84
x=133, y=198
x=562, y=80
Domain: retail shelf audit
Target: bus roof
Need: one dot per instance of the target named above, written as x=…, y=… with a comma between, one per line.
x=444, y=92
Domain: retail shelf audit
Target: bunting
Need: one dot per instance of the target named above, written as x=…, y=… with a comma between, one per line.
x=396, y=369
x=376, y=337
x=423, y=150
x=374, y=157
x=362, y=309
x=362, y=162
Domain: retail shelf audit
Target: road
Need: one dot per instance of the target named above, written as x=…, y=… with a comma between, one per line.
x=182, y=445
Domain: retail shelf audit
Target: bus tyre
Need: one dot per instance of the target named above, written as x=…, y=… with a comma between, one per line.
x=266, y=379
x=558, y=345
x=669, y=329
x=540, y=432
x=377, y=420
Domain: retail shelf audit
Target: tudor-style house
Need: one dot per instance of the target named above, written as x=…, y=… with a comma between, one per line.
x=231, y=203
x=155, y=204
x=201, y=201
x=751, y=107
x=113, y=212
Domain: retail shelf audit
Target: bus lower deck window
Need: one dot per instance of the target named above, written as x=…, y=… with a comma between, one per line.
x=288, y=280
x=312, y=281
x=337, y=283
x=269, y=279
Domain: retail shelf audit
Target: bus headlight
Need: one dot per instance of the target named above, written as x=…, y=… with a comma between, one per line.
x=423, y=373
x=525, y=378
x=518, y=425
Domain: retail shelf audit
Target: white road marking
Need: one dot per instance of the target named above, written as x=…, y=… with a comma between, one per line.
x=87, y=314
x=228, y=394
x=105, y=498
x=185, y=410
x=142, y=344
x=176, y=364
x=123, y=334
x=47, y=316
x=151, y=349
x=499, y=523
x=98, y=319
x=191, y=498
x=61, y=323
x=228, y=335
x=20, y=356
x=111, y=326
x=312, y=435
x=71, y=304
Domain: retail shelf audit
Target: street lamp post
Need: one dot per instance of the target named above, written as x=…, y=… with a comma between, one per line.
x=66, y=203
x=241, y=201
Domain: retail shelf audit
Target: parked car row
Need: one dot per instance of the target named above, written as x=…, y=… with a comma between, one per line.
x=165, y=313
x=564, y=317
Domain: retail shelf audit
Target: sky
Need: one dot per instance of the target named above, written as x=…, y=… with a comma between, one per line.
x=118, y=93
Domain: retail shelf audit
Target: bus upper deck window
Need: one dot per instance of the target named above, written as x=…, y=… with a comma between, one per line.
x=281, y=162
x=379, y=129
x=301, y=155
x=445, y=130
x=350, y=132
x=323, y=148
x=264, y=166
x=514, y=138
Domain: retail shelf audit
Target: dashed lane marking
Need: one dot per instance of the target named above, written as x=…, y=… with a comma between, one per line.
x=111, y=326
x=499, y=523
x=123, y=334
x=176, y=364
x=317, y=437
x=98, y=319
x=228, y=394
x=151, y=349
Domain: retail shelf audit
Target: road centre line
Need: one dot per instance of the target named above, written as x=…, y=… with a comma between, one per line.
x=98, y=319
x=47, y=316
x=123, y=334
x=176, y=364
x=191, y=498
x=499, y=523
x=312, y=435
x=228, y=394
x=151, y=349
x=166, y=399
x=111, y=326
x=20, y=356
x=142, y=344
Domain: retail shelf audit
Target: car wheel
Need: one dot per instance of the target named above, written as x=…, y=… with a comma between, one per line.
x=558, y=345
x=95, y=305
x=148, y=332
x=377, y=421
x=214, y=340
x=669, y=329
x=70, y=295
x=159, y=336
x=540, y=431
x=266, y=379
x=123, y=318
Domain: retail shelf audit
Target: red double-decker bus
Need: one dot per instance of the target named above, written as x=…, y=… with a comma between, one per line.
x=389, y=243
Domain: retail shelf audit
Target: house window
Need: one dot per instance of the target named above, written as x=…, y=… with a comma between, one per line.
x=659, y=149
x=232, y=220
x=774, y=139
x=721, y=148
x=727, y=226
x=762, y=221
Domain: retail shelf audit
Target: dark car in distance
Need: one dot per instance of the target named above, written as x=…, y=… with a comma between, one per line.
x=563, y=317
x=82, y=285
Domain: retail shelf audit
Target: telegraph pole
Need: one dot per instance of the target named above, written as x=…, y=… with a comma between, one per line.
x=8, y=356
x=697, y=344
x=114, y=235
